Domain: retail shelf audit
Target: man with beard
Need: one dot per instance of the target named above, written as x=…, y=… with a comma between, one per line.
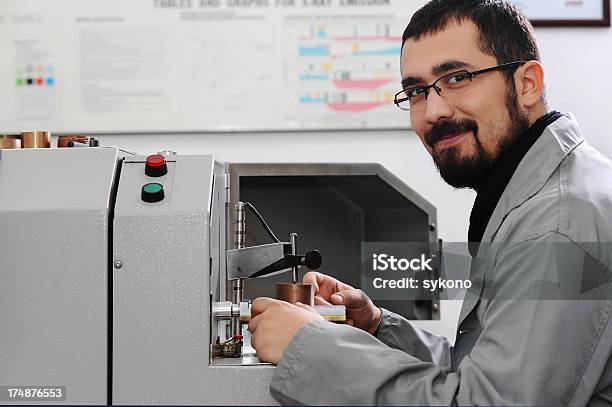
x=536, y=329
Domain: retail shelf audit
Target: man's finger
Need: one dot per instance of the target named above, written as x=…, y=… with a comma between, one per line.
x=305, y=306
x=320, y=301
x=253, y=324
x=260, y=305
x=351, y=298
x=254, y=342
x=311, y=278
x=337, y=299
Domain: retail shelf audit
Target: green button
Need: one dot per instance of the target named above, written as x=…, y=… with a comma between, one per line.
x=152, y=188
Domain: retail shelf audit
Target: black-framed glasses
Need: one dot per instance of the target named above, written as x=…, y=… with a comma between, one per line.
x=448, y=85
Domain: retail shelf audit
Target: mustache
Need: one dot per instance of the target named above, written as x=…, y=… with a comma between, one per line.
x=447, y=127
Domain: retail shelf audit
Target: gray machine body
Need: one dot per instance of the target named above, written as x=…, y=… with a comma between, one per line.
x=111, y=296
x=162, y=295
x=54, y=233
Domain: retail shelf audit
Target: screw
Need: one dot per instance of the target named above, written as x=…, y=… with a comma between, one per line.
x=432, y=227
x=435, y=307
x=118, y=264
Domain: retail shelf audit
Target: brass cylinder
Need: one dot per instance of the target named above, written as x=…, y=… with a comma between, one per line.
x=8, y=142
x=63, y=141
x=36, y=139
x=293, y=293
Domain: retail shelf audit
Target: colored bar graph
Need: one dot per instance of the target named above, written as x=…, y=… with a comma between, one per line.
x=361, y=83
x=313, y=51
x=310, y=99
x=310, y=77
x=371, y=38
x=345, y=69
x=387, y=51
x=354, y=107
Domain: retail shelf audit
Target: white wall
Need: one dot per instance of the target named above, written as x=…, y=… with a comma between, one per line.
x=578, y=64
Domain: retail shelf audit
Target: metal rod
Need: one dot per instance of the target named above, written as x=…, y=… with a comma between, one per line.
x=239, y=242
x=239, y=226
x=293, y=237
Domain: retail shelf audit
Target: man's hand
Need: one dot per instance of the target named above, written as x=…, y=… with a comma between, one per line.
x=360, y=311
x=274, y=323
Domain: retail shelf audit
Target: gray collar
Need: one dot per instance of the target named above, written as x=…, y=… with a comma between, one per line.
x=542, y=160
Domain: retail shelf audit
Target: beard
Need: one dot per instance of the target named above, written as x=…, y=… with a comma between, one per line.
x=470, y=170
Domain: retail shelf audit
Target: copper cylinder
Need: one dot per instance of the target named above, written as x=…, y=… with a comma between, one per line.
x=36, y=139
x=63, y=141
x=8, y=142
x=293, y=293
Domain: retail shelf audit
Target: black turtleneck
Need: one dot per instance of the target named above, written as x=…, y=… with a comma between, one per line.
x=494, y=185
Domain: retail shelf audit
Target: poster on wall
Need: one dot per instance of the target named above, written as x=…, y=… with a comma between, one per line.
x=141, y=66
x=566, y=12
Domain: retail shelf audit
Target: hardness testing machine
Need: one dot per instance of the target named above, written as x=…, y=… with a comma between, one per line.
x=126, y=279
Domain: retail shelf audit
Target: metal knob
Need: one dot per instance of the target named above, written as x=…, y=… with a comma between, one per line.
x=312, y=260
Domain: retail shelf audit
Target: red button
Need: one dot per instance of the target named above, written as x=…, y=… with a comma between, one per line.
x=156, y=160
x=156, y=166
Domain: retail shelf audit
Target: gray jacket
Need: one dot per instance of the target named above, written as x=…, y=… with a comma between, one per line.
x=534, y=330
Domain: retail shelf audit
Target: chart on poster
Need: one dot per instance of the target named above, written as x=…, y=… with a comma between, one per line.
x=201, y=65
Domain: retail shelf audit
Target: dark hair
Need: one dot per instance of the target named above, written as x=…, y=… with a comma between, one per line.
x=505, y=32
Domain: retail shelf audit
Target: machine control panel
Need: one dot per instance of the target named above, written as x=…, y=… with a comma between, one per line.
x=153, y=195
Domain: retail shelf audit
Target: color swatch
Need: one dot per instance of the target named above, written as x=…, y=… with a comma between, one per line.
x=35, y=75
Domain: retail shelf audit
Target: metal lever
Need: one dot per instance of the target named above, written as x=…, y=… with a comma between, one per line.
x=311, y=259
x=294, y=268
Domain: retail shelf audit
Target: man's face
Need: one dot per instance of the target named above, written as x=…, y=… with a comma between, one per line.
x=465, y=133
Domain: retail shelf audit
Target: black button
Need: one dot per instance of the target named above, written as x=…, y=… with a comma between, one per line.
x=152, y=193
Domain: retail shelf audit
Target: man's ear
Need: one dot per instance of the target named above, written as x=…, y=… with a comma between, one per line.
x=529, y=79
